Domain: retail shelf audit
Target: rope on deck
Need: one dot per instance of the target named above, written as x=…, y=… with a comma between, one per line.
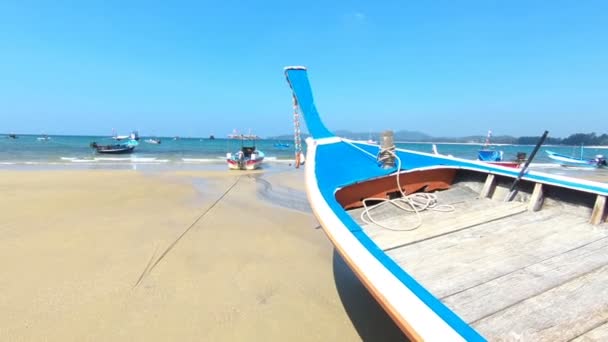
x=415, y=202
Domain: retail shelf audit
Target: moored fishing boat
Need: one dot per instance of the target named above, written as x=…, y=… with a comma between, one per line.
x=463, y=250
x=496, y=157
x=154, y=141
x=598, y=161
x=247, y=158
x=123, y=148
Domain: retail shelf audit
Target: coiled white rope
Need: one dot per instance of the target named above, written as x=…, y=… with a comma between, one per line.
x=416, y=202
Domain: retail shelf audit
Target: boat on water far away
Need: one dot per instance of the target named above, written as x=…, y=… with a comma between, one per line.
x=455, y=249
x=44, y=137
x=496, y=157
x=122, y=148
x=153, y=141
x=598, y=161
x=247, y=158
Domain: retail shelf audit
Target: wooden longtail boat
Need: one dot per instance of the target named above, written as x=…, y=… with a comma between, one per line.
x=598, y=161
x=498, y=254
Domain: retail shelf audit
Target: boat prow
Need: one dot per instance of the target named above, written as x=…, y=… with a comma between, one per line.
x=469, y=264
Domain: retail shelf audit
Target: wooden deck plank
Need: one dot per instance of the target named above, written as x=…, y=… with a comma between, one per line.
x=560, y=314
x=489, y=297
x=440, y=223
x=598, y=334
x=456, y=262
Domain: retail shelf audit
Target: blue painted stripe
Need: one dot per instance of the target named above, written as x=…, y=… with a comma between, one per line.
x=359, y=168
x=298, y=81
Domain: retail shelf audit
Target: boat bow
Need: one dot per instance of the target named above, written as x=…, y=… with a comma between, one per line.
x=416, y=311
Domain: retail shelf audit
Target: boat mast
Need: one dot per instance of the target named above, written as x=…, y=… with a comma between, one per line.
x=487, y=143
x=297, y=141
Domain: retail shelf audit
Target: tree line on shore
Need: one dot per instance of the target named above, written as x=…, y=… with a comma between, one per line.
x=587, y=139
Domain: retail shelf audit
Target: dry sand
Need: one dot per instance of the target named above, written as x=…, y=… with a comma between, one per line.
x=96, y=255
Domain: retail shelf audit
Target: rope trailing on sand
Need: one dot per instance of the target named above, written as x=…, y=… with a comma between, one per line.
x=150, y=266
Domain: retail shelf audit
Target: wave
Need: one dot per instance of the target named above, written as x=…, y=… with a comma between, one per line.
x=129, y=159
x=115, y=159
x=203, y=160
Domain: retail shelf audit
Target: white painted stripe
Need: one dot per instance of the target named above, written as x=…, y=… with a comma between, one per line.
x=324, y=141
x=410, y=309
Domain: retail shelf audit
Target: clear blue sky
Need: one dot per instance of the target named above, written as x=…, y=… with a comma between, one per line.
x=446, y=68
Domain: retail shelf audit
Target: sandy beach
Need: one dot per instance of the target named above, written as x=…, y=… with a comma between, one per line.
x=119, y=255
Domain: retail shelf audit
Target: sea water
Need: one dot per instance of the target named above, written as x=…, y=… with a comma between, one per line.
x=75, y=151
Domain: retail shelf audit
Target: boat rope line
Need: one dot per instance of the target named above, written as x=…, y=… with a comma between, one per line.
x=150, y=266
x=415, y=202
x=360, y=149
x=297, y=139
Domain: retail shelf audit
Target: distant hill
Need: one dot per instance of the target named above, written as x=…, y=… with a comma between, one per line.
x=402, y=135
x=577, y=139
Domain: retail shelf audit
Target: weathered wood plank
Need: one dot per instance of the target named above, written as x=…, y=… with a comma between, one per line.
x=599, y=210
x=560, y=314
x=462, y=260
x=442, y=224
x=537, y=198
x=494, y=295
x=488, y=187
x=598, y=334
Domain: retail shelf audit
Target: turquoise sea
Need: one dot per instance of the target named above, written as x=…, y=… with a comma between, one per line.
x=74, y=152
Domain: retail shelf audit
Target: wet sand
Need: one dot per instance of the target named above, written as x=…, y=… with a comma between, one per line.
x=124, y=255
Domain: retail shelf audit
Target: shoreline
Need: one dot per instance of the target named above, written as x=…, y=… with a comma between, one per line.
x=171, y=255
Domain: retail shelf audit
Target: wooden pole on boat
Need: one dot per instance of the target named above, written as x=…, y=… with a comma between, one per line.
x=387, y=148
x=512, y=190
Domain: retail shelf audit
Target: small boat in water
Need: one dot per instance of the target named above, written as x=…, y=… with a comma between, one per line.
x=598, y=161
x=153, y=141
x=12, y=136
x=132, y=136
x=496, y=157
x=459, y=250
x=44, y=137
x=123, y=148
x=247, y=158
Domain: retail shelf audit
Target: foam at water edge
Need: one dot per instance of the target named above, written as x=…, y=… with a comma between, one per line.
x=201, y=160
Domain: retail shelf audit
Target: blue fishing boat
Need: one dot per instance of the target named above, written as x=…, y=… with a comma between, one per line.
x=598, y=161
x=456, y=249
x=490, y=155
x=487, y=154
x=122, y=148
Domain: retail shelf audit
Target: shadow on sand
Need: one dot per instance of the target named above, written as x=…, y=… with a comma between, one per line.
x=369, y=319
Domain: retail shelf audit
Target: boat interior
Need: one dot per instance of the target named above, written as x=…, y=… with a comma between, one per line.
x=534, y=268
x=247, y=151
